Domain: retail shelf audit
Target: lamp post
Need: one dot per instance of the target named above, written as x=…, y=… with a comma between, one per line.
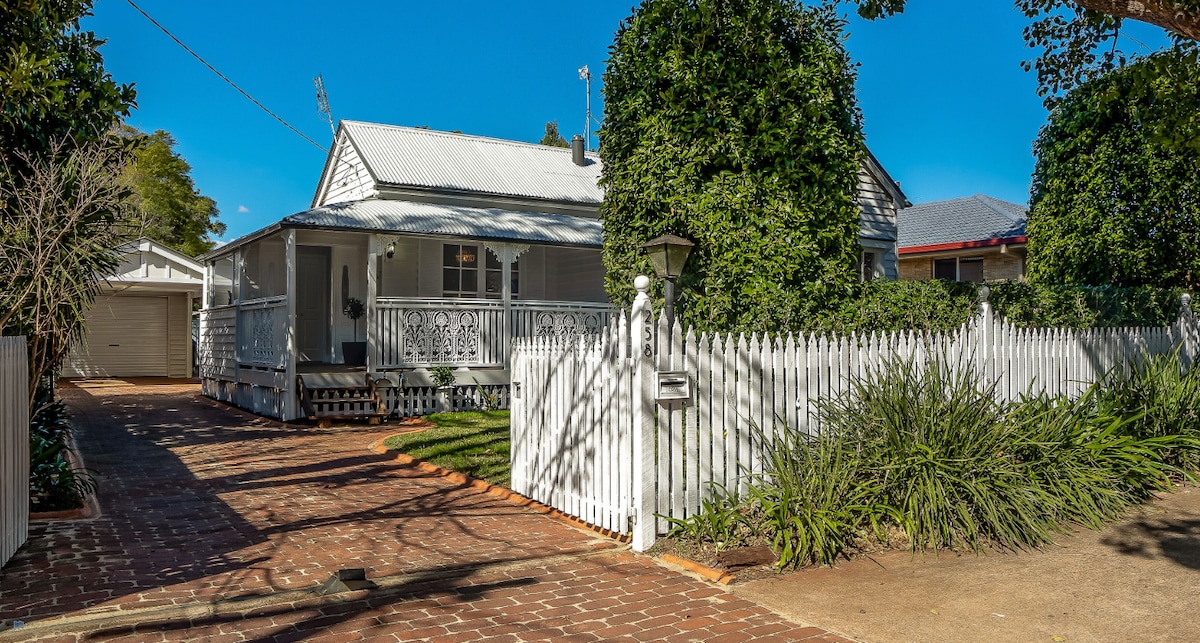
x=667, y=254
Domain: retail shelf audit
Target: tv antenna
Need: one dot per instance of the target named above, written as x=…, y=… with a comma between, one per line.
x=586, y=75
x=323, y=103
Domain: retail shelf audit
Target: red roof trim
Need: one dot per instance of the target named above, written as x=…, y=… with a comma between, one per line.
x=963, y=245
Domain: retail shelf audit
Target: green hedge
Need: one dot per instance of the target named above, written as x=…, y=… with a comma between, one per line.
x=942, y=305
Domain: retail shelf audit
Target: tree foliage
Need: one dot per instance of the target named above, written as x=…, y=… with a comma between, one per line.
x=172, y=209
x=52, y=80
x=552, y=137
x=733, y=124
x=1078, y=37
x=1111, y=203
x=65, y=215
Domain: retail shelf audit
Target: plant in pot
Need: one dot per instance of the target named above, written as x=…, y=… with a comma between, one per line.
x=354, y=353
x=443, y=379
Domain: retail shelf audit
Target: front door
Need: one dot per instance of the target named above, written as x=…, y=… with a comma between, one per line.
x=312, y=304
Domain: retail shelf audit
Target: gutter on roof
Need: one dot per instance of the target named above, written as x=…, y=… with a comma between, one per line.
x=240, y=241
x=429, y=235
x=965, y=245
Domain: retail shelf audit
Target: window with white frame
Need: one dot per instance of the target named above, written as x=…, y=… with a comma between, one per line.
x=460, y=270
x=866, y=266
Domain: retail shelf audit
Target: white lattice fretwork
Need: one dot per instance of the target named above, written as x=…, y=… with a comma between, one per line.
x=441, y=336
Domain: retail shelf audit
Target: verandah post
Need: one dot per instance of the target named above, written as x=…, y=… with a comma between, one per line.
x=643, y=529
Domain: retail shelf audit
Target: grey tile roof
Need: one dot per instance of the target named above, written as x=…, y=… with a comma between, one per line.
x=389, y=215
x=973, y=218
x=407, y=156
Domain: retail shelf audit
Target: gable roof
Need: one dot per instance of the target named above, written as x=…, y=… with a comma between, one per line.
x=973, y=220
x=411, y=157
x=391, y=216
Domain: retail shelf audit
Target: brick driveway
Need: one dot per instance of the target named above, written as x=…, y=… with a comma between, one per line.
x=217, y=526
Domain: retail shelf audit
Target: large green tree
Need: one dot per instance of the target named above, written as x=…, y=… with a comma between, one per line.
x=1113, y=203
x=733, y=123
x=53, y=84
x=173, y=211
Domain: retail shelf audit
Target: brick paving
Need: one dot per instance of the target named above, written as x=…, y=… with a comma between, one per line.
x=218, y=526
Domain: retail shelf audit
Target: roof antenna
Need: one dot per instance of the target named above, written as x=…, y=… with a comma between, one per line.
x=323, y=103
x=586, y=75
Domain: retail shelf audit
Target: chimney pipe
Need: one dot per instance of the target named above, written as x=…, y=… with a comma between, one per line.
x=577, y=151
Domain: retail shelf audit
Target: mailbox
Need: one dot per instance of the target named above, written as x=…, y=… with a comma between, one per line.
x=672, y=385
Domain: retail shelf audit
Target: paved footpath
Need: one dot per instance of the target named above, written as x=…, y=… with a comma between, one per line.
x=216, y=526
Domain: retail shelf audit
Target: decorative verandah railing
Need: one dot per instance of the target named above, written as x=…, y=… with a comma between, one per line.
x=247, y=353
x=638, y=422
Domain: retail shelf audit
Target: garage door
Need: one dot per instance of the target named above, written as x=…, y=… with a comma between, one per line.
x=126, y=337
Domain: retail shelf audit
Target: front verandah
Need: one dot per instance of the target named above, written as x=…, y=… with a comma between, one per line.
x=254, y=346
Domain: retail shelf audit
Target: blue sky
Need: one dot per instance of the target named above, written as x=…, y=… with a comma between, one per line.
x=947, y=108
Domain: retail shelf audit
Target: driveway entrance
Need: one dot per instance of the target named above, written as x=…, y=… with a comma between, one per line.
x=218, y=526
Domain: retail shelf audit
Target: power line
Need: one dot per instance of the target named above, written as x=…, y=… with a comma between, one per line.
x=225, y=78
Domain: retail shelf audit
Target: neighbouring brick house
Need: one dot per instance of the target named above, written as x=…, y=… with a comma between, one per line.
x=977, y=238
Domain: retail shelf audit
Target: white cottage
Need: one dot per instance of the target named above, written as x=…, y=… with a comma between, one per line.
x=454, y=244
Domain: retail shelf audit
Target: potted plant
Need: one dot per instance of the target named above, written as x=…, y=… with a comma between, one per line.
x=444, y=380
x=354, y=353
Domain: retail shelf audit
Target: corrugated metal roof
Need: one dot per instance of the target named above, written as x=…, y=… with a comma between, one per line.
x=973, y=218
x=388, y=215
x=425, y=158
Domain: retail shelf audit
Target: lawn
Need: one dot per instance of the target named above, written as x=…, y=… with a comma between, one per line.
x=471, y=442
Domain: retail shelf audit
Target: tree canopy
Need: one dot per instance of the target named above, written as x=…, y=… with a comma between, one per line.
x=52, y=80
x=173, y=211
x=1077, y=37
x=1113, y=202
x=552, y=137
x=733, y=124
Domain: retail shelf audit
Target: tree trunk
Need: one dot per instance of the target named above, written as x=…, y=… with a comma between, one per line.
x=1172, y=16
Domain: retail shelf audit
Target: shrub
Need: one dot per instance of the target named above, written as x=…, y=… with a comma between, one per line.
x=54, y=483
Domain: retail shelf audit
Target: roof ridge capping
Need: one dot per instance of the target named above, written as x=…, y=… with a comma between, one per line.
x=994, y=204
x=459, y=135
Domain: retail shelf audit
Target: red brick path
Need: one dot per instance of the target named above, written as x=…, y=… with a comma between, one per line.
x=216, y=526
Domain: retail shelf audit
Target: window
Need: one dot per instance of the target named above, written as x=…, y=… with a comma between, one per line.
x=460, y=270
x=945, y=269
x=970, y=269
x=959, y=269
x=494, y=277
x=866, y=267
x=220, y=291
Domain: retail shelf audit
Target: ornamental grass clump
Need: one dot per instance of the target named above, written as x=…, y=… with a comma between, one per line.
x=941, y=451
x=1164, y=396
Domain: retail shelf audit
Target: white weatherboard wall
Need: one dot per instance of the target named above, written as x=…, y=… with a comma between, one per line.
x=589, y=438
x=14, y=446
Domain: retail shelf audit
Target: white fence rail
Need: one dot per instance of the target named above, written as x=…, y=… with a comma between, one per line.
x=14, y=446
x=590, y=439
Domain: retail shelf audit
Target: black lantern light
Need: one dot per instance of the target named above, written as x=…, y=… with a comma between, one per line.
x=667, y=254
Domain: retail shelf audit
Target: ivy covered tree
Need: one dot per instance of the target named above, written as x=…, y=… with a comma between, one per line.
x=1112, y=203
x=733, y=123
x=173, y=211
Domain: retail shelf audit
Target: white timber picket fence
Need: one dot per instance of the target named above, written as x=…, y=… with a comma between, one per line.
x=14, y=446
x=597, y=435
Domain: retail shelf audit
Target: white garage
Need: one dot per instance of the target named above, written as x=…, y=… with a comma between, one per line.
x=141, y=326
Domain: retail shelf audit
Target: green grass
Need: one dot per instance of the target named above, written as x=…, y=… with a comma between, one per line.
x=471, y=442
